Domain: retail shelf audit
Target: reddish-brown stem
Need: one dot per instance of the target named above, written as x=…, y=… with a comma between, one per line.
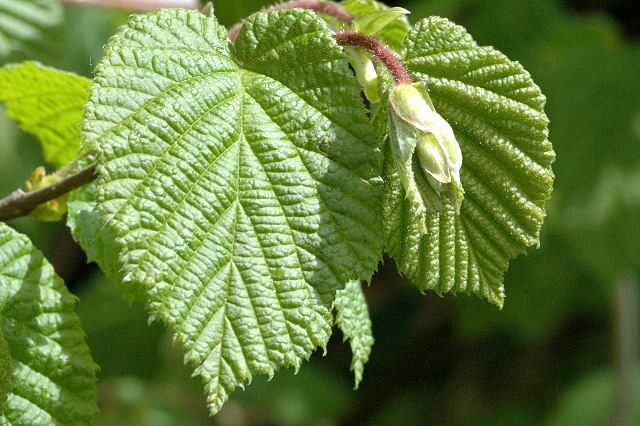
x=377, y=49
x=319, y=6
x=134, y=5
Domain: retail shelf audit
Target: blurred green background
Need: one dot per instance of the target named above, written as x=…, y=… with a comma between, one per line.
x=552, y=356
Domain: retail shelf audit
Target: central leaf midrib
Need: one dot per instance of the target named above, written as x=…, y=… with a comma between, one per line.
x=294, y=242
x=335, y=225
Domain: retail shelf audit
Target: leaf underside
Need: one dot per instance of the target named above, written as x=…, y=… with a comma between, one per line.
x=497, y=114
x=47, y=103
x=241, y=183
x=352, y=316
x=52, y=374
x=26, y=25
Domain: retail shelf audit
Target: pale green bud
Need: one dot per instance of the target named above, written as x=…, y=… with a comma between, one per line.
x=371, y=24
x=424, y=148
x=52, y=210
x=365, y=72
x=208, y=9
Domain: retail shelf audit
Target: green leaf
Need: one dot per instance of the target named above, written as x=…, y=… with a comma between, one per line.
x=242, y=186
x=392, y=34
x=374, y=22
x=47, y=103
x=352, y=316
x=496, y=112
x=26, y=26
x=51, y=369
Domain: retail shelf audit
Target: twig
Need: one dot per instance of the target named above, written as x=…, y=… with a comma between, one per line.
x=71, y=167
x=21, y=203
x=377, y=49
x=319, y=6
x=135, y=5
x=627, y=313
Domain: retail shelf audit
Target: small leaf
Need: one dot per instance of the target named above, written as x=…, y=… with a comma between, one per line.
x=53, y=376
x=26, y=26
x=241, y=182
x=496, y=112
x=365, y=71
x=352, y=316
x=393, y=33
x=209, y=9
x=47, y=103
x=374, y=22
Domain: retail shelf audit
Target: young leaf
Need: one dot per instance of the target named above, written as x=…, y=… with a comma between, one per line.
x=25, y=26
x=52, y=374
x=242, y=185
x=365, y=71
x=352, y=316
x=394, y=32
x=496, y=112
x=47, y=103
x=374, y=22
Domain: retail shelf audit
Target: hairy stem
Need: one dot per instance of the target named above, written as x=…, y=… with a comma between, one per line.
x=317, y=5
x=627, y=313
x=21, y=203
x=135, y=5
x=377, y=49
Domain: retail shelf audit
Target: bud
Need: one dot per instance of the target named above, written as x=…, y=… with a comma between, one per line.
x=365, y=72
x=424, y=149
x=52, y=210
x=208, y=9
x=370, y=24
